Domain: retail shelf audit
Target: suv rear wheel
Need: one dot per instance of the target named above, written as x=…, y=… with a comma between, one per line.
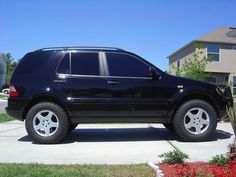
x=195, y=120
x=47, y=123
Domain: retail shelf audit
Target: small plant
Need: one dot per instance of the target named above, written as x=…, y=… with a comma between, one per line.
x=232, y=116
x=232, y=151
x=219, y=160
x=173, y=157
x=232, y=147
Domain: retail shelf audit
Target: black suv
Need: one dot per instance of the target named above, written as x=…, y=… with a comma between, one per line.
x=55, y=89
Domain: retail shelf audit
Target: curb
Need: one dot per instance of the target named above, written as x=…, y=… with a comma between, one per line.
x=156, y=169
x=2, y=101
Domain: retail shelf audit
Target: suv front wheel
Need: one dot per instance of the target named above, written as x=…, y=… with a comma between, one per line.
x=195, y=120
x=47, y=123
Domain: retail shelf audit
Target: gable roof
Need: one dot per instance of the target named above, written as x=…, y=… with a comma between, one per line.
x=221, y=35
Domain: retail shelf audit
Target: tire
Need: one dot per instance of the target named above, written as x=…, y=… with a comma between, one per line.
x=72, y=126
x=169, y=126
x=195, y=120
x=47, y=123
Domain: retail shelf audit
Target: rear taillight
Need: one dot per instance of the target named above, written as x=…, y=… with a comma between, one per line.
x=13, y=91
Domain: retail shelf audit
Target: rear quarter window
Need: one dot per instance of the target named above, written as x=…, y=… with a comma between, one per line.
x=31, y=62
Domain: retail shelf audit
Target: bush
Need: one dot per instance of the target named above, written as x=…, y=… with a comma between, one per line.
x=232, y=116
x=173, y=157
x=232, y=151
x=219, y=160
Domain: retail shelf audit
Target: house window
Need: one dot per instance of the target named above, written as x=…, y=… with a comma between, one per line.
x=213, y=51
x=178, y=64
x=234, y=85
x=212, y=79
x=226, y=80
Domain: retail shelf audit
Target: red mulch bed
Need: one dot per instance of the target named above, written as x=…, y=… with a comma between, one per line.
x=198, y=169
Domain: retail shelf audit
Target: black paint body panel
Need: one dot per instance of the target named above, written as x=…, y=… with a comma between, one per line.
x=103, y=98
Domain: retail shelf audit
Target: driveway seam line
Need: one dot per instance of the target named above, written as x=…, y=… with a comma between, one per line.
x=175, y=147
x=11, y=129
x=172, y=145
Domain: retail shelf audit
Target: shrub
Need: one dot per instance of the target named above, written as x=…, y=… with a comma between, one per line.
x=232, y=151
x=232, y=147
x=173, y=157
x=232, y=116
x=219, y=160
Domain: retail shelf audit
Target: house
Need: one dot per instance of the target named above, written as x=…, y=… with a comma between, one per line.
x=220, y=45
x=3, y=69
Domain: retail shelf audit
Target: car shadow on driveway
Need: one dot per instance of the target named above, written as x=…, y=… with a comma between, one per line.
x=125, y=134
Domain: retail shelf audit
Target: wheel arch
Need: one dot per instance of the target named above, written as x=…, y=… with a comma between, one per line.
x=192, y=96
x=44, y=98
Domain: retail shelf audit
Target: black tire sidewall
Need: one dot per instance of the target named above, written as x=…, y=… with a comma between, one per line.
x=179, y=121
x=169, y=126
x=62, y=118
x=72, y=126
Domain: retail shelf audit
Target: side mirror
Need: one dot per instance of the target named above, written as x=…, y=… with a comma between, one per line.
x=153, y=74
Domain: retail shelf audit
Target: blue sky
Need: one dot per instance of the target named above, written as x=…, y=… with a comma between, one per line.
x=152, y=29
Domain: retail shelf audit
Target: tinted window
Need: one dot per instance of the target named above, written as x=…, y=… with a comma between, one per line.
x=31, y=62
x=126, y=65
x=64, y=66
x=84, y=63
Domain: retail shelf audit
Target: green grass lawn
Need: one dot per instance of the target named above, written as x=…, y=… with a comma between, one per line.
x=4, y=118
x=3, y=97
x=36, y=170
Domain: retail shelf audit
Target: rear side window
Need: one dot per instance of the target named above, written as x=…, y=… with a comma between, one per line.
x=126, y=65
x=84, y=63
x=64, y=66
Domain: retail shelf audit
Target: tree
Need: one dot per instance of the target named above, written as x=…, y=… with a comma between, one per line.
x=194, y=68
x=11, y=64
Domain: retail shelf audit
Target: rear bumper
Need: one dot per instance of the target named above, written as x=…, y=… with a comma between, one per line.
x=16, y=107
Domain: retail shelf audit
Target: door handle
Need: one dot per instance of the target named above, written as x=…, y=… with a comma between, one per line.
x=113, y=82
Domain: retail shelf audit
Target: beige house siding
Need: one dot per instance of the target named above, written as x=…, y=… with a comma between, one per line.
x=227, y=63
x=221, y=70
x=182, y=56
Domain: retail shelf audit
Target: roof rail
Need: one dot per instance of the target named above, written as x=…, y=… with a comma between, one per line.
x=80, y=47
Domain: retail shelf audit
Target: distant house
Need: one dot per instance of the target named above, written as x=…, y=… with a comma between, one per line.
x=220, y=44
x=3, y=69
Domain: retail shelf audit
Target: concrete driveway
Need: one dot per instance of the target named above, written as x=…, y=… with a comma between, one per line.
x=107, y=144
x=3, y=105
